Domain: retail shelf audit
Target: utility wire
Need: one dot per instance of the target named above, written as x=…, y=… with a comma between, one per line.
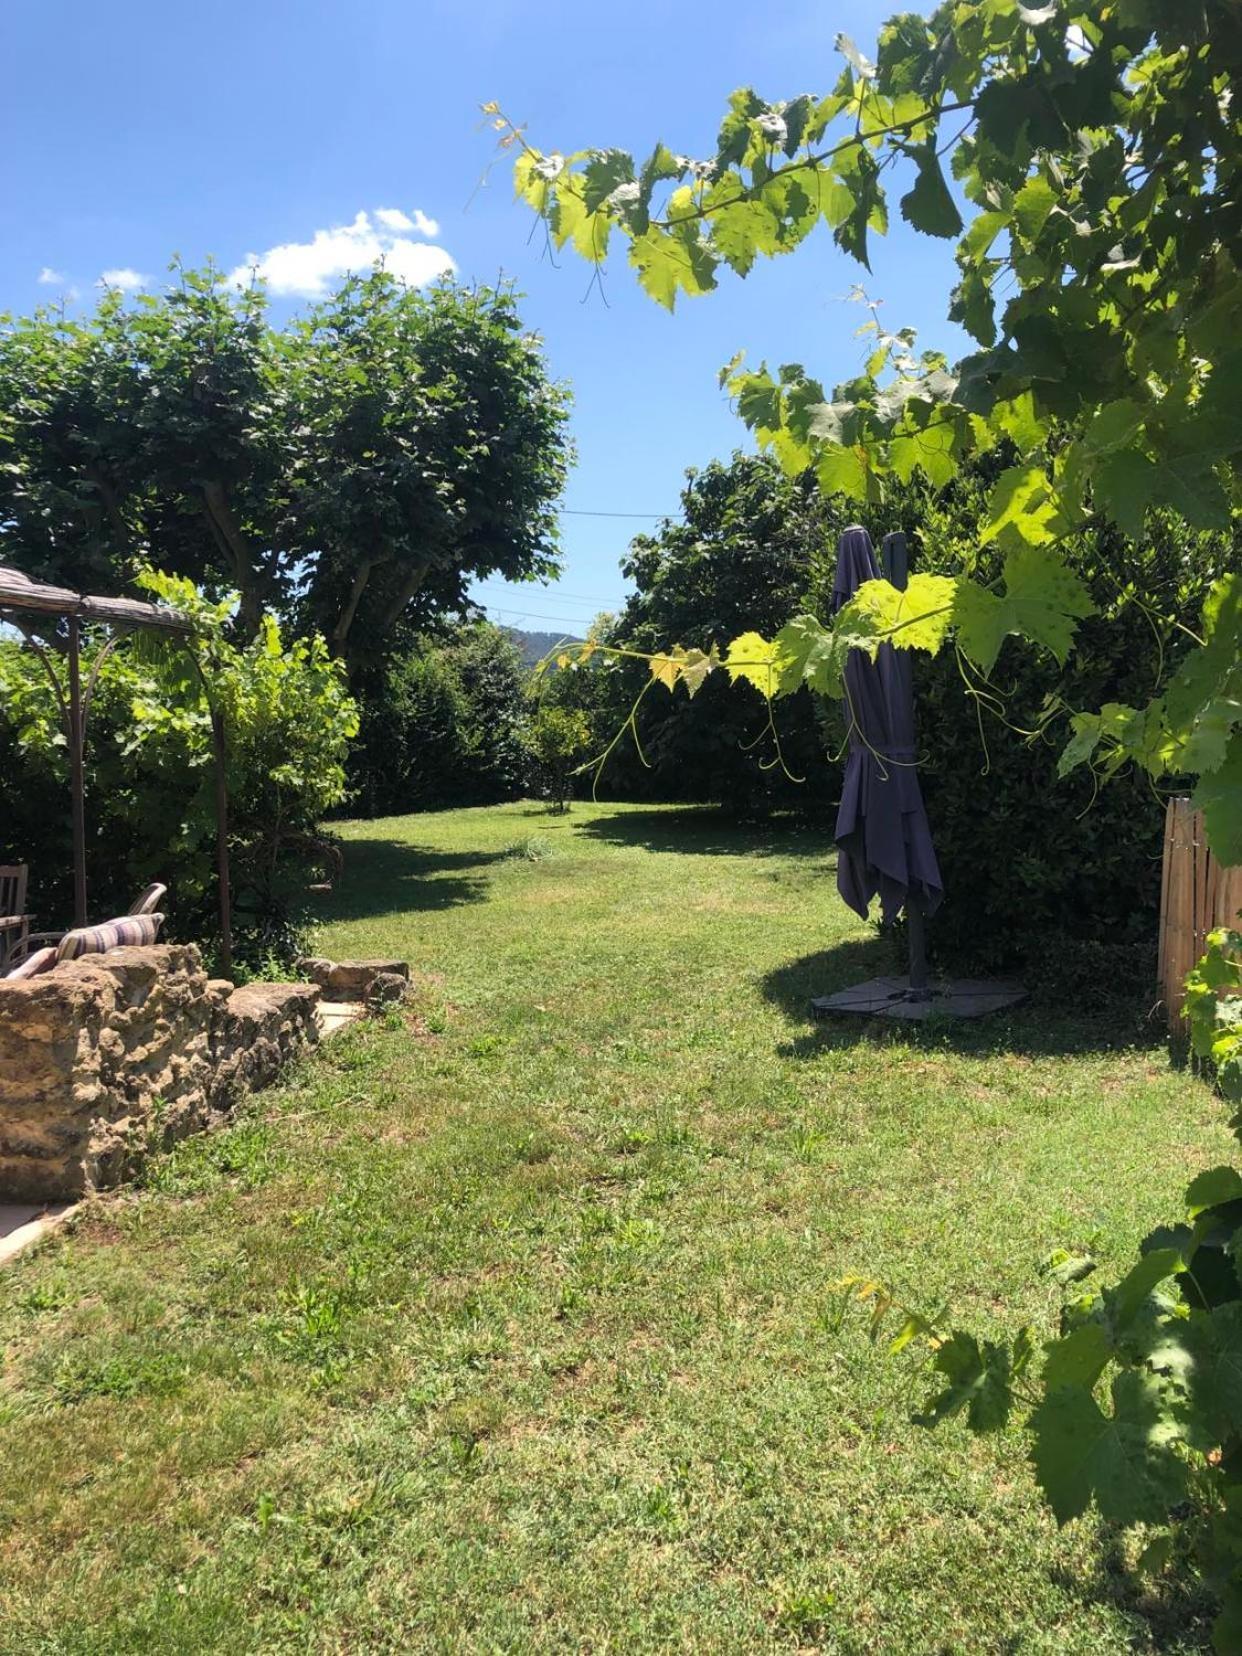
x=537, y=615
x=577, y=511
x=555, y=592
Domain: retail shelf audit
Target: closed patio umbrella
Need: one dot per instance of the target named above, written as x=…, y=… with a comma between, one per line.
x=883, y=839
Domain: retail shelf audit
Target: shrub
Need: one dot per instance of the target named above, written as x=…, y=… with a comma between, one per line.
x=442, y=723
x=560, y=739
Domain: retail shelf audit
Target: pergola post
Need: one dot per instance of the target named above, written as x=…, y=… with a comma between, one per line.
x=222, y=843
x=77, y=778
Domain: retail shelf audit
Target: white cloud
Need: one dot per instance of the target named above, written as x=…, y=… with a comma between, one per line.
x=50, y=278
x=125, y=278
x=392, y=218
x=308, y=269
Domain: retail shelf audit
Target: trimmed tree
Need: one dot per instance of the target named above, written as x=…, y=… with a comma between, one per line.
x=353, y=470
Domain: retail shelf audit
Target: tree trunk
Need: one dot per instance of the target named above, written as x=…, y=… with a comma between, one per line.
x=230, y=537
x=389, y=616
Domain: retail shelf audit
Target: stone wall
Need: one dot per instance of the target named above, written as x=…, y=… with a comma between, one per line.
x=106, y=1057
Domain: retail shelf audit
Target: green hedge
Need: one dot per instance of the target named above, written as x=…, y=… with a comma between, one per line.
x=442, y=724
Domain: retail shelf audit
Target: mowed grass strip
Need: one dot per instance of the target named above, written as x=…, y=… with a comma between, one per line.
x=513, y=1324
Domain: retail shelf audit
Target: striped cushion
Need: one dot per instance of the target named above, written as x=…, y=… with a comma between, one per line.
x=42, y=960
x=127, y=928
x=150, y=899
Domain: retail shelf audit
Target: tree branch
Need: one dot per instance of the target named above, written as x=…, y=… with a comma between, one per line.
x=391, y=612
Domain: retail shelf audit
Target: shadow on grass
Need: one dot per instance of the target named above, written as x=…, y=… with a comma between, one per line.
x=387, y=876
x=1034, y=1028
x=1173, y=1613
x=708, y=831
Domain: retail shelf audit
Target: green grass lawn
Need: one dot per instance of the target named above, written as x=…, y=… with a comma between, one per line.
x=514, y=1326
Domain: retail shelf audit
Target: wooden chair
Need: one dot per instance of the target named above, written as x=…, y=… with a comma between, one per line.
x=14, y=921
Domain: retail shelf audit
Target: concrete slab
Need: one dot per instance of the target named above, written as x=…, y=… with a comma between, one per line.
x=334, y=1015
x=22, y=1225
x=889, y=997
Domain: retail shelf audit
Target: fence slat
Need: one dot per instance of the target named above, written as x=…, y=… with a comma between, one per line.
x=1196, y=895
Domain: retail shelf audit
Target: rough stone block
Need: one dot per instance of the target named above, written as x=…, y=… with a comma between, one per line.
x=350, y=980
x=388, y=989
x=105, y=1057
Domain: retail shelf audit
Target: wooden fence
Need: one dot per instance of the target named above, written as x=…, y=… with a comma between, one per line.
x=1196, y=896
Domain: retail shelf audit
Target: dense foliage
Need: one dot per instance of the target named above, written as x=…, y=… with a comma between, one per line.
x=443, y=723
x=1053, y=872
x=1214, y=1007
x=351, y=471
x=150, y=780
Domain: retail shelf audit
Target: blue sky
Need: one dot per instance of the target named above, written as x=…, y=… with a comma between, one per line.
x=133, y=131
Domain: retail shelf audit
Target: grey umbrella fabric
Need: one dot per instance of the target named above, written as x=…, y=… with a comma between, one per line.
x=883, y=839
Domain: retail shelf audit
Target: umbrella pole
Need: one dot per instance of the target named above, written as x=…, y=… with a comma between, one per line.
x=917, y=933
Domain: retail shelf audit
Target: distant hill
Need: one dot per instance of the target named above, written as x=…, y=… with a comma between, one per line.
x=535, y=645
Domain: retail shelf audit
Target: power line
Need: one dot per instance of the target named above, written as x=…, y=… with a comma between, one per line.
x=559, y=592
x=537, y=615
x=577, y=511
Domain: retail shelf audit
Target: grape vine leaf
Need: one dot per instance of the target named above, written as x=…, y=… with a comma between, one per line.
x=682, y=666
x=1043, y=601
x=669, y=262
x=754, y=658
x=1129, y=1297
x=1078, y=1359
x=1219, y=796
x=1124, y=483
x=803, y=648
x=1087, y=729
x=978, y=1381
x=1202, y=1355
x=695, y=666
x=812, y=654
x=929, y=206
x=1023, y=509
x=845, y=471
x=1113, y=426
x=1211, y=1188
x=918, y=617
x=1126, y=1462
x=1207, y=746
x=1189, y=484
x=604, y=171
x=1032, y=205
x=1196, y=681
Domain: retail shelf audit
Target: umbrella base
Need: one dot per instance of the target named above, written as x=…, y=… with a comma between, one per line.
x=892, y=997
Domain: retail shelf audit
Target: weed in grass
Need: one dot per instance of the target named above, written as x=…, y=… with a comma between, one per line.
x=311, y=1329
x=532, y=848
x=50, y=1295
x=241, y=1153
x=86, y=1374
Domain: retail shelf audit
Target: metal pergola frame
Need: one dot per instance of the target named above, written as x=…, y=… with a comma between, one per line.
x=20, y=600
